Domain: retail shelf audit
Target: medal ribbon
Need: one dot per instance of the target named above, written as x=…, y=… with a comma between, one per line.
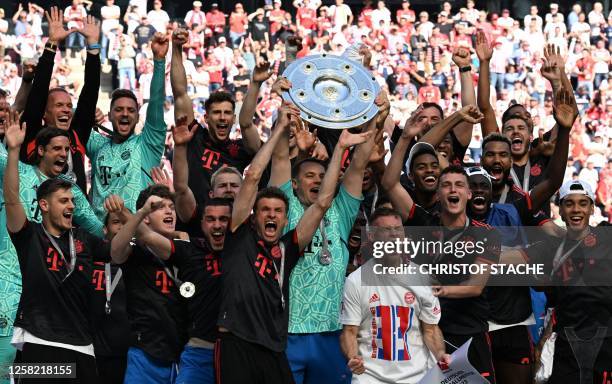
x=72, y=263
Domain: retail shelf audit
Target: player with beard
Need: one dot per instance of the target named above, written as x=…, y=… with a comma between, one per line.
x=528, y=168
x=54, y=106
x=53, y=146
x=316, y=283
x=52, y=325
x=579, y=268
x=199, y=266
x=111, y=328
x=120, y=162
x=496, y=157
x=369, y=298
x=211, y=148
x=258, y=261
x=154, y=305
x=423, y=161
x=465, y=310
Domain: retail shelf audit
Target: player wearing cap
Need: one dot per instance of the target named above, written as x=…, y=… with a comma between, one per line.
x=195, y=15
x=258, y=260
x=579, y=267
x=465, y=310
x=315, y=287
x=377, y=350
x=423, y=163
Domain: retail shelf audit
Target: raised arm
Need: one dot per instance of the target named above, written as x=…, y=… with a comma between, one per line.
x=84, y=115
x=565, y=112
x=243, y=204
x=120, y=245
x=308, y=224
x=178, y=79
x=352, y=180
x=250, y=136
x=154, y=131
x=281, y=164
x=37, y=99
x=463, y=130
x=182, y=134
x=25, y=87
x=484, y=51
x=436, y=135
x=400, y=198
x=15, y=135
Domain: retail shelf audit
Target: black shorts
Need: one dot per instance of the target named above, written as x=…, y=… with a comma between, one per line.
x=238, y=361
x=565, y=367
x=512, y=345
x=479, y=353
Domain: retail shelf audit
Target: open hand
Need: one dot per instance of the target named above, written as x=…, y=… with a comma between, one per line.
x=181, y=132
x=160, y=176
x=565, y=109
x=91, y=30
x=15, y=132
x=348, y=139
x=484, y=50
x=57, y=32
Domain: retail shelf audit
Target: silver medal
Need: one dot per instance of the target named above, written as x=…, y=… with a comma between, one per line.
x=325, y=257
x=107, y=308
x=187, y=289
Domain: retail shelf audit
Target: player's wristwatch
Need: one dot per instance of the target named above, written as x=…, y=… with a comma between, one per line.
x=467, y=68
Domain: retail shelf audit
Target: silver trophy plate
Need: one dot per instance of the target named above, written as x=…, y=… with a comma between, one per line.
x=332, y=91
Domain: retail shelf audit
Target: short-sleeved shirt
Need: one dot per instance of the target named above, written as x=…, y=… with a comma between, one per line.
x=154, y=305
x=55, y=304
x=316, y=289
x=251, y=300
x=585, y=307
x=201, y=266
x=389, y=319
x=206, y=156
x=465, y=316
x=111, y=331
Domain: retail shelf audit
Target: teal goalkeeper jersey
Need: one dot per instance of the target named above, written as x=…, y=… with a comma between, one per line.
x=123, y=169
x=315, y=290
x=10, y=275
x=30, y=178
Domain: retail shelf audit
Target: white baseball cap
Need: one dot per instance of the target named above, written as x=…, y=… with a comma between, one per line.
x=576, y=187
x=473, y=171
x=418, y=149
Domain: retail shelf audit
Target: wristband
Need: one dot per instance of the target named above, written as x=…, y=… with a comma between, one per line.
x=467, y=68
x=51, y=46
x=91, y=47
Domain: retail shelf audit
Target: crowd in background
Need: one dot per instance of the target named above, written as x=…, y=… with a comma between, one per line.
x=411, y=57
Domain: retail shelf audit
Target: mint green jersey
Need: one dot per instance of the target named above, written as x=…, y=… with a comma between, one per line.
x=315, y=290
x=30, y=178
x=123, y=169
x=10, y=275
